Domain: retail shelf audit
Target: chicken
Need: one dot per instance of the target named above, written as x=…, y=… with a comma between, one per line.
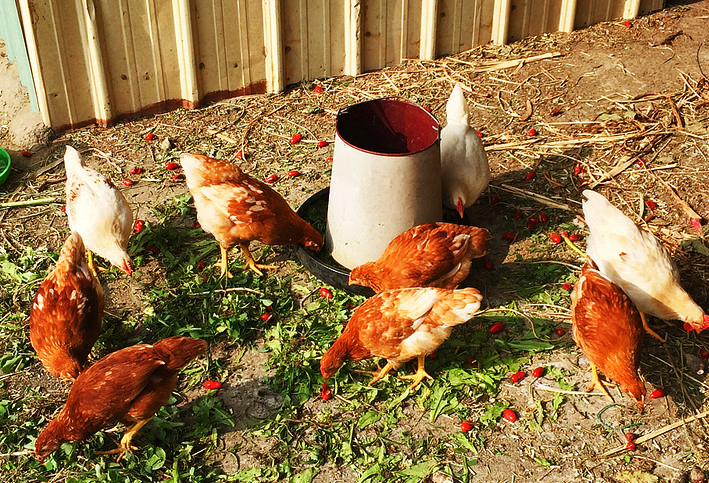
x=127, y=386
x=399, y=325
x=429, y=255
x=236, y=208
x=98, y=211
x=636, y=261
x=465, y=172
x=608, y=329
x=65, y=318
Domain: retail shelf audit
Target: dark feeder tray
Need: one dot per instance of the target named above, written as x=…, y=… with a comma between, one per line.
x=333, y=273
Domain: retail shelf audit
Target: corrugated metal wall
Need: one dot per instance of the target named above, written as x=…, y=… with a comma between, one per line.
x=96, y=61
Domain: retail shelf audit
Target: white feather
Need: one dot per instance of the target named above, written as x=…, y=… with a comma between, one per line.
x=636, y=261
x=465, y=172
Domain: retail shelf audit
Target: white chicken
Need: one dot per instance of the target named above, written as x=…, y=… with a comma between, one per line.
x=98, y=211
x=636, y=261
x=465, y=171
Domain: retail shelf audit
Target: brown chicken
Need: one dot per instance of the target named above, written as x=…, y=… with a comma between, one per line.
x=400, y=325
x=65, y=319
x=127, y=386
x=236, y=209
x=429, y=255
x=608, y=329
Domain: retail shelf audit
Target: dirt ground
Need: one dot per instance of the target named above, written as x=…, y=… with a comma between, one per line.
x=632, y=95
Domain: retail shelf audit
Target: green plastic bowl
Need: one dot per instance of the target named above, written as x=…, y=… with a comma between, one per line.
x=4, y=166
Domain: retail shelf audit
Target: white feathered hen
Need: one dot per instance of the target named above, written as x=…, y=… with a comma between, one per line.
x=636, y=261
x=98, y=211
x=465, y=171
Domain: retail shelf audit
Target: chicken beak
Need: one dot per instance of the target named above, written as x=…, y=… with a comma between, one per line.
x=127, y=268
x=459, y=207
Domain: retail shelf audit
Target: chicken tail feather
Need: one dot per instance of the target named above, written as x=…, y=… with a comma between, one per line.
x=178, y=351
x=457, y=107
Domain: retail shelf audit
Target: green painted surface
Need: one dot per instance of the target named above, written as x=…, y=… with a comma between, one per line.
x=11, y=33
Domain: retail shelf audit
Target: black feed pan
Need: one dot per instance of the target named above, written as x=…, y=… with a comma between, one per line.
x=336, y=276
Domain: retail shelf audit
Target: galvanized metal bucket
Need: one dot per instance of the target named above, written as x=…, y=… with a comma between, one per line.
x=386, y=177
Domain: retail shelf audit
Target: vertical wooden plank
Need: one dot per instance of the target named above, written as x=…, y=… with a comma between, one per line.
x=501, y=19
x=631, y=8
x=429, y=17
x=353, y=37
x=34, y=61
x=273, y=45
x=567, y=15
x=184, y=36
x=97, y=70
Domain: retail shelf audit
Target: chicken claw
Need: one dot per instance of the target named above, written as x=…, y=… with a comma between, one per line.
x=381, y=373
x=420, y=375
x=596, y=381
x=647, y=328
x=251, y=263
x=125, y=446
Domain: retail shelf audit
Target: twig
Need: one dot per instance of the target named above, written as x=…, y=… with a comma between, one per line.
x=553, y=262
x=683, y=204
x=532, y=196
x=226, y=290
x=506, y=64
x=657, y=433
x=544, y=387
x=35, y=202
x=17, y=453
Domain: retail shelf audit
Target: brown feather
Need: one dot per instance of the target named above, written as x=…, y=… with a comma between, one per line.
x=399, y=325
x=65, y=318
x=608, y=328
x=429, y=255
x=127, y=386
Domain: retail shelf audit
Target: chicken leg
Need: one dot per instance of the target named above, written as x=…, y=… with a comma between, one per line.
x=224, y=262
x=125, y=446
x=250, y=263
x=648, y=329
x=420, y=373
x=596, y=381
x=381, y=373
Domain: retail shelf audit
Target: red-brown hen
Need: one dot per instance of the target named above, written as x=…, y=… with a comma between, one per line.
x=237, y=208
x=608, y=329
x=126, y=386
x=428, y=255
x=400, y=325
x=65, y=318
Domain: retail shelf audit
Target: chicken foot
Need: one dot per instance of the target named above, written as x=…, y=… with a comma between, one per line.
x=381, y=373
x=420, y=374
x=251, y=264
x=125, y=446
x=647, y=328
x=596, y=381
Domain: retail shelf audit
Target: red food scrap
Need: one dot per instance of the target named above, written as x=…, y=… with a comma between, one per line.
x=170, y=166
x=497, y=327
x=555, y=238
x=466, y=426
x=212, y=385
x=509, y=415
x=487, y=264
x=659, y=392
x=651, y=204
x=128, y=182
x=292, y=173
x=296, y=138
x=322, y=144
x=530, y=175
x=509, y=236
x=271, y=178
x=325, y=293
x=317, y=89
x=538, y=372
x=138, y=226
